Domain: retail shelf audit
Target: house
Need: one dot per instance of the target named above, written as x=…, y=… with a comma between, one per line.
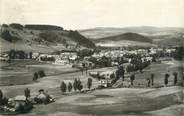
x=61, y=62
x=4, y=57
x=35, y=55
x=104, y=83
x=19, y=104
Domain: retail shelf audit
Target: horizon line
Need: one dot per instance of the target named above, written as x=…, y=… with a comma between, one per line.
x=95, y=27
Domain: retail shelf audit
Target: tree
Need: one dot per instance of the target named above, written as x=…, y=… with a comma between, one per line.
x=35, y=76
x=79, y=85
x=6, y=35
x=1, y=95
x=175, y=74
x=30, y=55
x=166, y=79
x=132, y=78
x=148, y=82
x=98, y=76
x=75, y=84
x=4, y=25
x=152, y=79
x=105, y=62
x=83, y=67
x=4, y=100
x=130, y=68
x=85, y=52
x=63, y=86
x=89, y=83
x=178, y=55
x=21, y=54
x=12, y=54
x=121, y=72
x=27, y=93
x=16, y=26
x=41, y=73
x=69, y=86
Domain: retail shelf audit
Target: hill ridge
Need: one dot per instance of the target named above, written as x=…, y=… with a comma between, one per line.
x=127, y=36
x=46, y=36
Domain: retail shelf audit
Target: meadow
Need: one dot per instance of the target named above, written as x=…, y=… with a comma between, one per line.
x=133, y=101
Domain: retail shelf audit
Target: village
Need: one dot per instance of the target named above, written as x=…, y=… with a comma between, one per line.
x=96, y=70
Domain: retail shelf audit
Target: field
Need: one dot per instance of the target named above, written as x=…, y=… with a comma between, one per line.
x=135, y=101
x=23, y=71
x=123, y=43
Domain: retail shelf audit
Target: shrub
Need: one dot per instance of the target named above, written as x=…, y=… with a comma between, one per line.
x=41, y=73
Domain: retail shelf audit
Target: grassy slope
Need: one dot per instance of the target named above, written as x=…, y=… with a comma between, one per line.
x=127, y=36
x=119, y=101
x=51, y=40
x=126, y=39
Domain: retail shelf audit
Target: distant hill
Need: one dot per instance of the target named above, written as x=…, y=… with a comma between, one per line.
x=41, y=38
x=101, y=32
x=126, y=39
x=126, y=36
x=165, y=35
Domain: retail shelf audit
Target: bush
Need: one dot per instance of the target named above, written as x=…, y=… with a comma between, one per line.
x=41, y=73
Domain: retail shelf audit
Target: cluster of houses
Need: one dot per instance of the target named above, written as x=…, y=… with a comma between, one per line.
x=145, y=53
x=61, y=58
x=69, y=57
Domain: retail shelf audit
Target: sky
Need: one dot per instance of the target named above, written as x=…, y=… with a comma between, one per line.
x=83, y=14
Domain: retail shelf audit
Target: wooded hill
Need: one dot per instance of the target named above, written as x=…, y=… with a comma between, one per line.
x=41, y=38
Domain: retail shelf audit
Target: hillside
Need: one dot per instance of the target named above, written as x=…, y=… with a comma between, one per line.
x=41, y=38
x=126, y=36
x=125, y=39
